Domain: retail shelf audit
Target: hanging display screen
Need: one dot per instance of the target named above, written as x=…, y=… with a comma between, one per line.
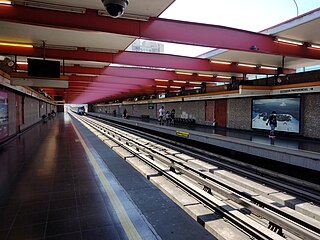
x=43, y=68
x=287, y=110
x=4, y=119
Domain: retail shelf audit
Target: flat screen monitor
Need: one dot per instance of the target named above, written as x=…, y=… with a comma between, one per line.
x=287, y=110
x=43, y=68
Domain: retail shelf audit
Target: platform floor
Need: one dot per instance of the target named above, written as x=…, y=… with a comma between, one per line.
x=56, y=184
x=288, y=141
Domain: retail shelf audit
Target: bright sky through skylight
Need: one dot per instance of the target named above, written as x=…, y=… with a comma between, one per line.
x=253, y=15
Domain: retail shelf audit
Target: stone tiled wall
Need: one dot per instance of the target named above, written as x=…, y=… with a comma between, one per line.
x=143, y=109
x=12, y=113
x=195, y=110
x=239, y=113
x=310, y=111
x=31, y=112
x=183, y=109
x=43, y=108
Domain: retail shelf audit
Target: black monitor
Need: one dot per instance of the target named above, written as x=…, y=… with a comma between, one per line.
x=43, y=68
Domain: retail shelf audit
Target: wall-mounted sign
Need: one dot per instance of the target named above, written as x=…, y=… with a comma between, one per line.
x=287, y=110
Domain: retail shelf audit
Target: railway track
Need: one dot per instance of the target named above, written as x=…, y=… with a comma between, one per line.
x=248, y=206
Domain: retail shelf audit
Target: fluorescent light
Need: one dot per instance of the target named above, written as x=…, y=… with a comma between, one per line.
x=220, y=62
x=283, y=40
x=159, y=86
x=246, y=65
x=22, y=63
x=89, y=49
x=60, y=47
x=314, y=46
x=56, y=7
x=178, y=81
x=161, y=80
x=205, y=75
x=184, y=73
x=224, y=77
x=198, y=83
x=16, y=44
x=86, y=75
x=5, y=2
x=269, y=68
x=175, y=87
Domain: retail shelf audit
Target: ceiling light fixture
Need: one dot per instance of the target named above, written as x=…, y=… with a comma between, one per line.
x=16, y=44
x=283, y=40
x=198, y=83
x=314, y=46
x=220, y=62
x=224, y=77
x=159, y=86
x=59, y=47
x=205, y=75
x=175, y=87
x=101, y=50
x=87, y=75
x=50, y=6
x=178, y=81
x=161, y=80
x=185, y=73
x=246, y=65
x=22, y=63
x=268, y=68
x=5, y=2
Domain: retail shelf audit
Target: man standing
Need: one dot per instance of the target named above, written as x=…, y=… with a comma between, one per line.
x=161, y=115
x=272, y=121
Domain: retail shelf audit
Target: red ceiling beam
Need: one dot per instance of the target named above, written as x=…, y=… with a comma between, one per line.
x=137, y=59
x=131, y=72
x=157, y=29
x=112, y=79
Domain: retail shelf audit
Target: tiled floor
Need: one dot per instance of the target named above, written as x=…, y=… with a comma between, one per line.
x=51, y=193
x=48, y=190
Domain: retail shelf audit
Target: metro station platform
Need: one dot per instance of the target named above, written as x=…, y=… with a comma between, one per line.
x=287, y=150
x=59, y=181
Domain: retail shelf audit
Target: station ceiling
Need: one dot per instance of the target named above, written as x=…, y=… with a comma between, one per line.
x=93, y=46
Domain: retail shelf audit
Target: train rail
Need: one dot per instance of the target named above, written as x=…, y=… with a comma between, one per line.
x=250, y=206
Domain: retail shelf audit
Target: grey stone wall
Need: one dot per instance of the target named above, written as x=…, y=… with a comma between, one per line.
x=31, y=112
x=194, y=110
x=310, y=111
x=12, y=113
x=183, y=109
x=239, y=113
x=143, y=109
x=43, y=108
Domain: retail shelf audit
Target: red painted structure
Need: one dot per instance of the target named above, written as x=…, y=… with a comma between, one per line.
x=157, y=29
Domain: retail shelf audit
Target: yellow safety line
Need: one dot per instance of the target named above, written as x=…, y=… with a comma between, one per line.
x=126, y=223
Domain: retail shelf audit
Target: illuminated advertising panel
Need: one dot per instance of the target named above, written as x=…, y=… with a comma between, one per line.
x=287, y=110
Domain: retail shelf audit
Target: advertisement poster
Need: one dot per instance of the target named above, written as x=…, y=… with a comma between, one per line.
x=4, y=120
x=287, y=109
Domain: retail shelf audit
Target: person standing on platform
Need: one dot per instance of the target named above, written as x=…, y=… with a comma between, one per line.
x=172, y=115
x=125, y=113
x=272, y=121
x=161, y=115
x=168, y=118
